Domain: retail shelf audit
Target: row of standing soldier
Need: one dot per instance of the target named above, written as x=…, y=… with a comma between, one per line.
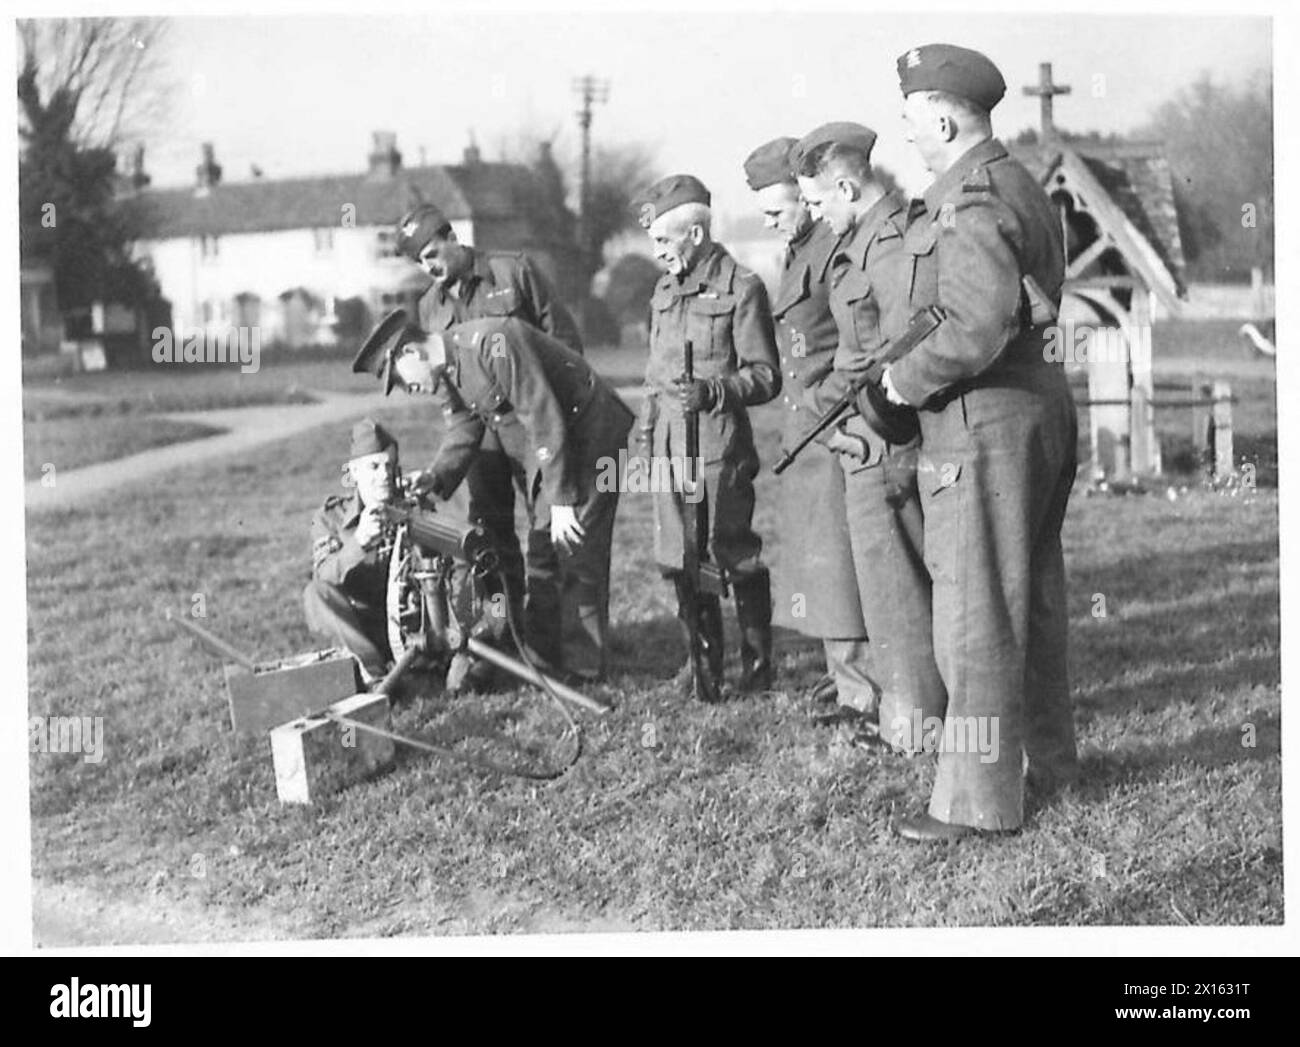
x=927, y=524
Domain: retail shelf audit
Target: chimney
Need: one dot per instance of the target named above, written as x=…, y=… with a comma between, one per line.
x=472, y=156
x=385, y=160
x=209, y=171
x=139, y=179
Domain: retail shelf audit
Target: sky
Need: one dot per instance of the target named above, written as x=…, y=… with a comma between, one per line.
x=301, y=94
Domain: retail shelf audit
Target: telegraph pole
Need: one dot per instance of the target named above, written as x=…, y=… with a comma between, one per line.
x=592, y=92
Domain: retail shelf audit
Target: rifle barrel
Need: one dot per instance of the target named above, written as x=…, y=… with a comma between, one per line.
x=922, y=325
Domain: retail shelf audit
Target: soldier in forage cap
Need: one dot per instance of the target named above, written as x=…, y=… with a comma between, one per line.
x=345, y=599
x=561, y=428
x=706, y=297
x=469, y=284
x=998, y=433
x=816, y=566
x=877, y=447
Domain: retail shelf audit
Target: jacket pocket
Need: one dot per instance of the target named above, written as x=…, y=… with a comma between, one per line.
x=921, y=244
x=708, y=326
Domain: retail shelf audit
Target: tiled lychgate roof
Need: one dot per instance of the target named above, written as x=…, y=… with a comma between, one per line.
x=1137, y=177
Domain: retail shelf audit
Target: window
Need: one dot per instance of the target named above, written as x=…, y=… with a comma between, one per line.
x=324, y=240
x=385, y=244
x=209, y=247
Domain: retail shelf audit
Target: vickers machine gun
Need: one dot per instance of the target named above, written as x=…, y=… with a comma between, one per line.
x=427, y=619
x=324, y=729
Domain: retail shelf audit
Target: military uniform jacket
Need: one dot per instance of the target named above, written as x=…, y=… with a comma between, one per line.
x=722, y=308
x=552, y=413
x=869, y=291
x=816, y=556
x=987, y=225
x=338, y=559
x=805, y=329
x=500, y=284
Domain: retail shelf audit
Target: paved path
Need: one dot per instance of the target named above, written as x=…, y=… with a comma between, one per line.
x=247, y=428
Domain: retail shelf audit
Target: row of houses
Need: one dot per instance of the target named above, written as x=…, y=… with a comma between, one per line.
x=311, y=261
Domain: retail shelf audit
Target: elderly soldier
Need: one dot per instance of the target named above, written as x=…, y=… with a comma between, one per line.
x=467, y=285
x=878, y=446
x=998, y=433
x=560, y=425
x=816, y=575
x=722, y=308
x=345, y=600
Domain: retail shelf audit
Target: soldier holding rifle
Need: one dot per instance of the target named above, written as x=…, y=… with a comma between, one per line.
x=998, y=428
x=816, y=579
x=877, y=443
x=721, y=308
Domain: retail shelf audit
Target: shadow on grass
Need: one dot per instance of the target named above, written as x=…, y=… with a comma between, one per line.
x=1207, y=749
x=1184, y=628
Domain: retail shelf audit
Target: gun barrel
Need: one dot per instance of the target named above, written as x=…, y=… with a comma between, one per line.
x=468, y=543
x=922, y=325
x=823, y=423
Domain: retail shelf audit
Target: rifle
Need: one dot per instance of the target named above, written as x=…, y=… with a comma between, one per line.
x=699, y=575
x=923, y=324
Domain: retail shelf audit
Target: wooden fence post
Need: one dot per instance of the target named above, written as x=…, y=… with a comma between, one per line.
x=1224, y=462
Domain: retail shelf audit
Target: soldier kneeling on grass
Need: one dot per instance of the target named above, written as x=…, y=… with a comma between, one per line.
x=346, y=597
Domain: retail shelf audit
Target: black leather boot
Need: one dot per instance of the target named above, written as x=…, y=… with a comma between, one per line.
x=753, y=594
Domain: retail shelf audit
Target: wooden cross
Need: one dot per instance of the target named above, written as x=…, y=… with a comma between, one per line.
x=1045, y=90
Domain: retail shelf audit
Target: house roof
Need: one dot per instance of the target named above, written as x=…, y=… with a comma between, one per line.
x=1136, y=177
x=479, y=190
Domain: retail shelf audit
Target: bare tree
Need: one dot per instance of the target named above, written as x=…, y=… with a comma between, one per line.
x=96, y=81
x=83, y=84
x=1219, y=138
x=618, y=171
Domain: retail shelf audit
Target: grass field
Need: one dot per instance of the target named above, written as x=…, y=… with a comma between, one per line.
x=679, y=816
x=73, y=442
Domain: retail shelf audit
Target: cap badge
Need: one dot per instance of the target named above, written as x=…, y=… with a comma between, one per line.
x=913, y=58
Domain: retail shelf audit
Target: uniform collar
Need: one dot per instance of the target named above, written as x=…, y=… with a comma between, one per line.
x=479, y=269
x=716, y=270
x=805, y=238
x=814, y=250
x=351, y=509
x=883, y=217
x=975, y=157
